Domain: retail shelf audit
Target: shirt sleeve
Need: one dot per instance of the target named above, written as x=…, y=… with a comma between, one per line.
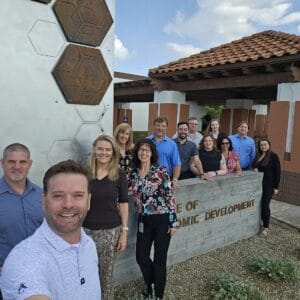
x=252, y=154
x=123, y=188
x=235, y=156
x=169, y=197
x=175, y=156
x=23, y=279
x=194, y=150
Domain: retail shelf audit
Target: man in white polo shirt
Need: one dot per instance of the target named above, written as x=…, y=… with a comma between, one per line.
x=59, y=261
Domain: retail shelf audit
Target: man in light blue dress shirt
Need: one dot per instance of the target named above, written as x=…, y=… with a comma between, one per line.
x=243, y=145
x=21, y=210
x=59, y=261
x=168, y=154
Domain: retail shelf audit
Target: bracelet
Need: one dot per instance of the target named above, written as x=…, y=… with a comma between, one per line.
x=174, y=179
x=125, y=228
x=201, y=174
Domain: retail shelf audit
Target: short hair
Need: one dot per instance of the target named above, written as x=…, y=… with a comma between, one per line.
x=243, y=122
x=201, y=144
x=154, y=155
x=121, y=128
x=192, y=119
x=15, y=147
x=160, y=119
x=220, y=141
x=69, y=167
x=182, y=123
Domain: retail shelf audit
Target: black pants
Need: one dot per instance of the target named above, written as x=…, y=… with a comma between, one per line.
x=267, y=194
x=1, y=296
x=155, y=231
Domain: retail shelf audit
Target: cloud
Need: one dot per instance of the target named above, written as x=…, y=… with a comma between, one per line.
x=216, y=22
x=180, y=50
x=121, y=52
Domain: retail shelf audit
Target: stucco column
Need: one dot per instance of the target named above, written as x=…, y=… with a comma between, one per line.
x=283, y=129
x=170, y=104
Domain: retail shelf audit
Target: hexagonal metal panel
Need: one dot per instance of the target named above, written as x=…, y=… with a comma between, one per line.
x=84, y=21
x=53, y=44
x=82, y=75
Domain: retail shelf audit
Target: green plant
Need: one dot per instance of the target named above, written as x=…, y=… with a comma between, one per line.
x=276, y=269
x=230, y=288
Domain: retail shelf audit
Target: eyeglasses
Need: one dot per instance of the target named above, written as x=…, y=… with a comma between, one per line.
x=144, y=150
x=226, y=143
x=194, y=124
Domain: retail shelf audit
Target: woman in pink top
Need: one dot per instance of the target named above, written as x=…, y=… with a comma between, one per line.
x=231, y=157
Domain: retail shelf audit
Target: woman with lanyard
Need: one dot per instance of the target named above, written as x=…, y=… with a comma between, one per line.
x=157, y=221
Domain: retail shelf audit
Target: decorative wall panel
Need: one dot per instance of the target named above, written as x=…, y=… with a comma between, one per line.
x=53, y=44
x=82, y=75
x=85, y=21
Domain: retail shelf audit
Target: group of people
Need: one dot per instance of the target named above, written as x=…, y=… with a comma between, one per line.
x=61, y=242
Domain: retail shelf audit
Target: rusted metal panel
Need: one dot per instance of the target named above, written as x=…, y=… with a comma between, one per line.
x=84, y=22
x=82, y=75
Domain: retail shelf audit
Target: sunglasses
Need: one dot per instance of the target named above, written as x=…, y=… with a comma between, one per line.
x=226, y=143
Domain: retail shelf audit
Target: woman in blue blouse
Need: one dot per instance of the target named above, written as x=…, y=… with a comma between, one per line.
x=157, y=222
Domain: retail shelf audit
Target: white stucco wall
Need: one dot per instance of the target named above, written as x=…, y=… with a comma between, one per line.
x=33, y=110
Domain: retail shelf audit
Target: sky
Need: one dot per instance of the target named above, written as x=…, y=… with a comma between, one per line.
x=149, y=33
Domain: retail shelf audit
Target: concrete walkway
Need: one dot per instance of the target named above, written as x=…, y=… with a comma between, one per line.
x=286, y=213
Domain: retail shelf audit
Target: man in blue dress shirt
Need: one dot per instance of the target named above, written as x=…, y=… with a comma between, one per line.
x=20, y=200
x=168, y=155
x=243, y=145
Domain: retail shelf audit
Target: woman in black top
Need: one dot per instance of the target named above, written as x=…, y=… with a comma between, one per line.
x=267, y=161
x=107, y=219
x=212, y=160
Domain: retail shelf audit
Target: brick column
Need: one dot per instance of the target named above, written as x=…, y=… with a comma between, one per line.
x=237, y=110
x=170, y=104
x=122, y=113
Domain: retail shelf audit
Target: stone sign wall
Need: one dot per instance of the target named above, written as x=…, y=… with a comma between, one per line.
x=211, y=215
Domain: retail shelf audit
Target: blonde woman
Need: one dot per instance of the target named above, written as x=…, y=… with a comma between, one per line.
x=107, y=219
x=123, y=137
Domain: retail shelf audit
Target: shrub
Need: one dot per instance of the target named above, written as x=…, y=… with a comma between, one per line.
x=226, y=287
x=276, y=269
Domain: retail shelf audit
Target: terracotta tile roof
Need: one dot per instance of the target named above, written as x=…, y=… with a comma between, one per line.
x=261, y=45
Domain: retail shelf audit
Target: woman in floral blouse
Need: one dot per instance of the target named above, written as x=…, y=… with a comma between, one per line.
x=231, y=157
x=157, y=222
x=123, y=138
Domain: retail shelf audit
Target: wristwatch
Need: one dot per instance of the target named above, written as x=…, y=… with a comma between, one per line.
x=125, y=228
